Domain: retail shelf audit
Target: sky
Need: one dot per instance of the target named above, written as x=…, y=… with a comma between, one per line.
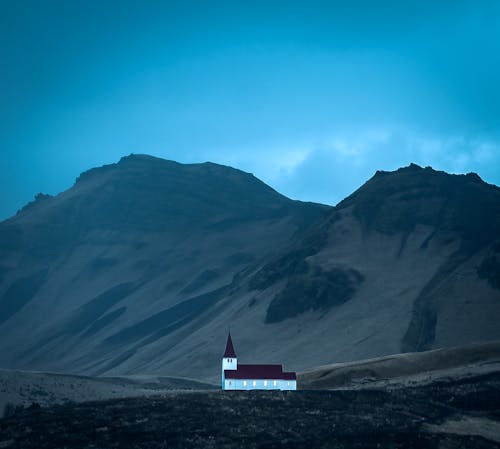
x=312, y=97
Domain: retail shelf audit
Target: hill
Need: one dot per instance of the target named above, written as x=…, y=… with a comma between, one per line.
x=142, y=266
x=408, y=369
x=409, y=262
x=25, y=388
x=133, y=252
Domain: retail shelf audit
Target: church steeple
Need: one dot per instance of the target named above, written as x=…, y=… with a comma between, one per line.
x=229, y=360
x=229, y=352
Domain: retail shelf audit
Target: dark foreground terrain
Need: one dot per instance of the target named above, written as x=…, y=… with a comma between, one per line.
x=446, y=414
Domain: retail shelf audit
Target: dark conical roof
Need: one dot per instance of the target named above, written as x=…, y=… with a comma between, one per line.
x=229, y=352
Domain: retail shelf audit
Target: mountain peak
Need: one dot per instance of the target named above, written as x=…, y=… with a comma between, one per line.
x=397, y=201
x=412, y=168
x=428, y=170
x=142, y=260
x=142, y=159
x=149, y=193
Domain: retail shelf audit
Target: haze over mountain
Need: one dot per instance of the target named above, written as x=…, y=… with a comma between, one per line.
x=142, y=266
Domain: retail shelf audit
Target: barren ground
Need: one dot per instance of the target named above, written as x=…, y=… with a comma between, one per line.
x=445, y=414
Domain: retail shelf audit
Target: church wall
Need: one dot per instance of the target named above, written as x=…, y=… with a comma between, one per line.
x=229, y=363
x=260, y=384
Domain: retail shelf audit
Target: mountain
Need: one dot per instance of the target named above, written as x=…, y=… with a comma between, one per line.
x=131, y=253
x=409, y=262
x=142, y=266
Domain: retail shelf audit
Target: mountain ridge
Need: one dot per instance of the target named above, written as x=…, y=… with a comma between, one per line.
x=145, y=263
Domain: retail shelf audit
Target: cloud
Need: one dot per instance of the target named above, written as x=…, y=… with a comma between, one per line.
x=311, y=98
x=334, y=170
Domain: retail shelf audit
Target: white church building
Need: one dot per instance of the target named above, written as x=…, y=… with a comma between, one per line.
x=236, y=376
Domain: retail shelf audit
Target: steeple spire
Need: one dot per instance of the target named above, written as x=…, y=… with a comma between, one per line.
x=229, y=352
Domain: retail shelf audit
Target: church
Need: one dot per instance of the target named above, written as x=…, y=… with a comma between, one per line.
x=236, y=376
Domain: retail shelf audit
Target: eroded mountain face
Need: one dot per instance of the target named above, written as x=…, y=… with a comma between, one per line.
x=143, y=265
x=132, y=252
x=419, y=231
x=402, y=262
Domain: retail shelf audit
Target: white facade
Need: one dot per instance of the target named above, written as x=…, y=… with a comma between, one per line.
x=259, y=384
x=230, y=363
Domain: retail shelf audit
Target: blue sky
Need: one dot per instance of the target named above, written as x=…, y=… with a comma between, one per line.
x=312, y=97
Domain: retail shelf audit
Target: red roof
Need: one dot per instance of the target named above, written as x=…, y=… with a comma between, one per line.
x=259, y=372
x=229, y=352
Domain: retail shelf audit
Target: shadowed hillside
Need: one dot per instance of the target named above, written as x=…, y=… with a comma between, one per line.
x=24, y=388
x=408, y=262
x=133, y=252
x=405, y=369
x=143, y=265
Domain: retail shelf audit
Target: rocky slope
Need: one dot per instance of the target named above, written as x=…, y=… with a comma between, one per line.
x=131, y=253
x=409, y=262
x=407, y=369
x=143, y=265
x=22, y=389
